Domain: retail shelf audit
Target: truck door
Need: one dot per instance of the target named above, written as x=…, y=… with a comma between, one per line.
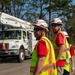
x=31, y=41
x=25, y=40
x=29, y=36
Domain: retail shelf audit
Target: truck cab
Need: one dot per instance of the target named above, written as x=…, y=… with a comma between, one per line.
x=17, y=42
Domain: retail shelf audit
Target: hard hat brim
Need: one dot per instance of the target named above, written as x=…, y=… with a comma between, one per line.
x=41, y=27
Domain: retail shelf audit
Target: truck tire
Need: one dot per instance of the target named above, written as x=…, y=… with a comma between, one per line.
x=21, y=55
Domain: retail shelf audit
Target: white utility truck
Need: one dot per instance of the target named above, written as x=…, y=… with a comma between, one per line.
x=17, y=41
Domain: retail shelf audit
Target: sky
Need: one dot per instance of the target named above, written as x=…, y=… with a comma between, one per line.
x=73, y=2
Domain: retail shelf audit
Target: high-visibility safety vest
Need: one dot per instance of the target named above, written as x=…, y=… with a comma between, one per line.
x=67, y=66
x=66, y=54
x=49, y=66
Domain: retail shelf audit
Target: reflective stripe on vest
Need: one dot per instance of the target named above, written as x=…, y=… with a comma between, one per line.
x=46, y=68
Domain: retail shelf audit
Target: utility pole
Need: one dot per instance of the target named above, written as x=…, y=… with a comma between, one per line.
x=49, y=18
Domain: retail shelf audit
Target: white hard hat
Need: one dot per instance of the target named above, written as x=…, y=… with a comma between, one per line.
x=65, y=33
x=41, y=23
x=57, y=21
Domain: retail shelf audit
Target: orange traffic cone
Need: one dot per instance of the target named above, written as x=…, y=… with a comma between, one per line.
x=3, y=46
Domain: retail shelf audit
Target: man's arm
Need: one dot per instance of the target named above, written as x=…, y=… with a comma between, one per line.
x=39, y=65
x=72, y=57
x=72, y=62
x=61, y=50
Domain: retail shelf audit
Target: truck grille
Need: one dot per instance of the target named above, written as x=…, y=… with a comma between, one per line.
x=6, y=45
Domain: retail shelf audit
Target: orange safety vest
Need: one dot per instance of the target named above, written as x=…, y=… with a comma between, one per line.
x=66, y=54
x=49, y=66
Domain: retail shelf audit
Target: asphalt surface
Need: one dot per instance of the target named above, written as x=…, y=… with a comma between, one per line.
x=12, y=67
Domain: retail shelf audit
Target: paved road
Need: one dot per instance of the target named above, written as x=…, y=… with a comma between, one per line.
x=12, y=67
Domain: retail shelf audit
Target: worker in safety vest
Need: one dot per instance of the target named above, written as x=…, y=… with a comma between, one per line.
x=43, y=57
x=60, y=45
x=69, y=62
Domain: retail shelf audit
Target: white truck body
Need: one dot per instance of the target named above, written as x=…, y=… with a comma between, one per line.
x=18, y=41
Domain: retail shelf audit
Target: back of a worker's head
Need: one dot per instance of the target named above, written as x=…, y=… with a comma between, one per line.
x=66, y=35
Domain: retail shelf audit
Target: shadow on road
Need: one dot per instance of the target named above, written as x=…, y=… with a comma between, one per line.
x=10, y=60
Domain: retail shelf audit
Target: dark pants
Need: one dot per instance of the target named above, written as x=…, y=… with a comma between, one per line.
x=66, y=72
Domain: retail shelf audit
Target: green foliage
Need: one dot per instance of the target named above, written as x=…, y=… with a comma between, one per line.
x=5, y=4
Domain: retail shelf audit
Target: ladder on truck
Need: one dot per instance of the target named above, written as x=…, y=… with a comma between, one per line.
x=9, y=20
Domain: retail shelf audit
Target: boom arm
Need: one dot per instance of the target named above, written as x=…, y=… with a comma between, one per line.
x=9, y=20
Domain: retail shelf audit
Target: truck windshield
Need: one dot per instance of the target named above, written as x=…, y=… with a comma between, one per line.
x=12, y=34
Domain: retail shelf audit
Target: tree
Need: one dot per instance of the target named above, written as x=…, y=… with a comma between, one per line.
x=70, y=24
x=5, y=4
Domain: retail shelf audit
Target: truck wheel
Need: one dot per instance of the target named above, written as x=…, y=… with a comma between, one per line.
x=21, y=55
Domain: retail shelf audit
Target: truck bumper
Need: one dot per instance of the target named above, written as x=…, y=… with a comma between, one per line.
x=9, y=52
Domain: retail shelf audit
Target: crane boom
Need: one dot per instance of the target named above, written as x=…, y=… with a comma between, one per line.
x=13, y=21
